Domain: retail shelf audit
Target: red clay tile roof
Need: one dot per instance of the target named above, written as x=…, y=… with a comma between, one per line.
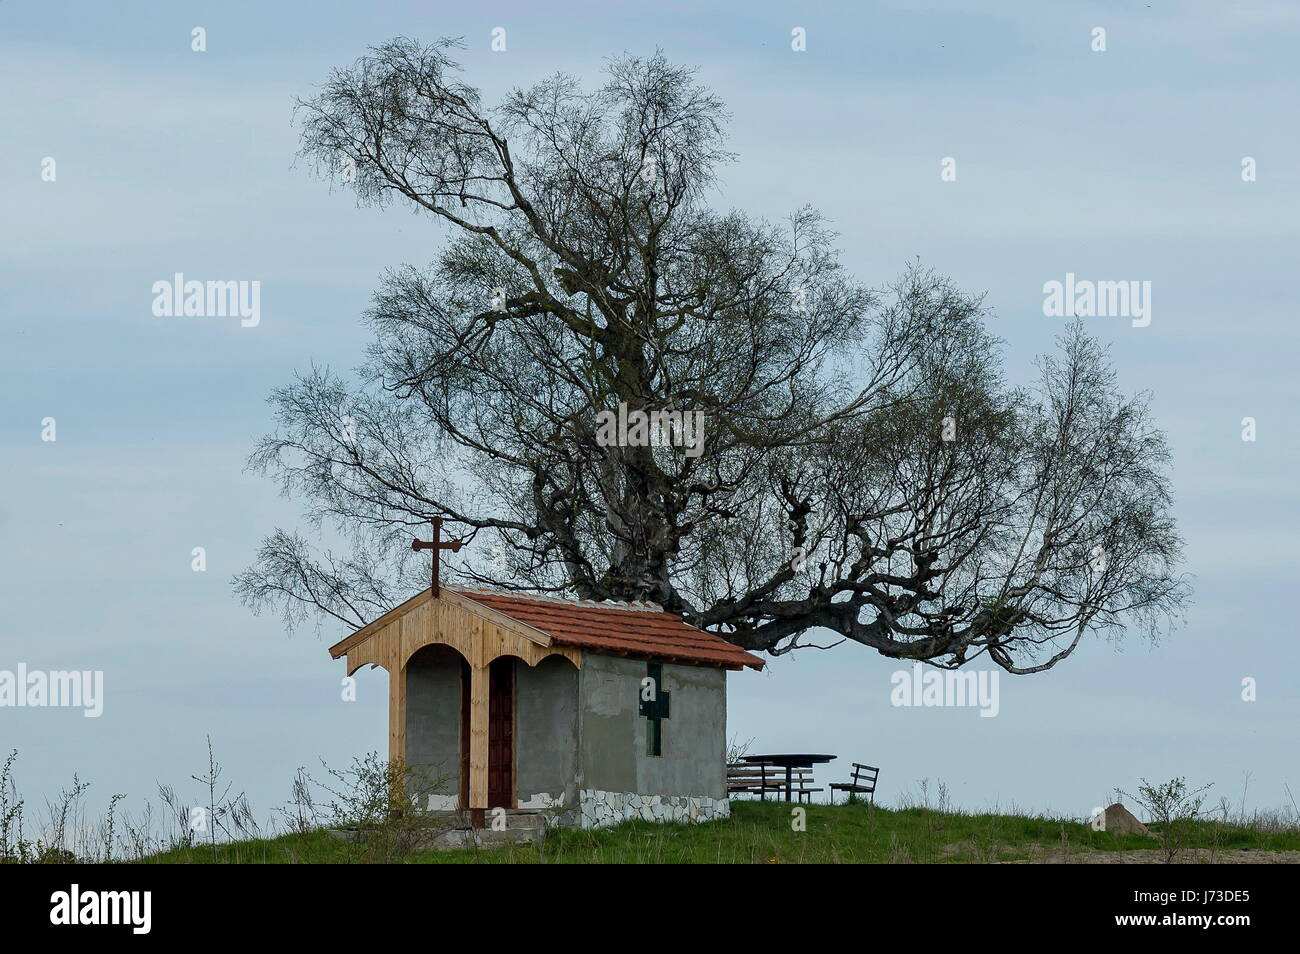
x=643, y=630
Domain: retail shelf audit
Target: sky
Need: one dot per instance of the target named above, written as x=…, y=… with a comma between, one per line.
x=1122, y=164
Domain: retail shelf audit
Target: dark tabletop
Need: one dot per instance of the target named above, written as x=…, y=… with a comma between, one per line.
x=789, y=760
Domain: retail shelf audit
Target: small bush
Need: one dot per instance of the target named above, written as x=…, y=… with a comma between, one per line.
x=1173, y=808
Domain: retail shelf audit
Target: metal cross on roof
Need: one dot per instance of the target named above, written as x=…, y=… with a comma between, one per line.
x=436, y=545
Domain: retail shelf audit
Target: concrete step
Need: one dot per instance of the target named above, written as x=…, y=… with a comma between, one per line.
x=514, y=818
x=487, y=838
x=453, y=830
x=520, y=818
x=482, y=838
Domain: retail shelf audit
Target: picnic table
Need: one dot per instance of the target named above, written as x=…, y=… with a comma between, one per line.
x=789, y=761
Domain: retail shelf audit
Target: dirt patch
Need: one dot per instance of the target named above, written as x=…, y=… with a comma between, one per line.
x=980, y=854
x=1040, y=855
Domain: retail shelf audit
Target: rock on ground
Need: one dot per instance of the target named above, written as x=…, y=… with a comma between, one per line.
x=1121, y=821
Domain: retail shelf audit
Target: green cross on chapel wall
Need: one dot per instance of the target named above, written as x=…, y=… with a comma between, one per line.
x=655, y=708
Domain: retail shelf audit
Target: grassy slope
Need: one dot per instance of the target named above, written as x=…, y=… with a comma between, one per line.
x=761, y=833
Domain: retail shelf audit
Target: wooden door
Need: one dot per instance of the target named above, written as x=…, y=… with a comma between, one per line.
x=501, y=733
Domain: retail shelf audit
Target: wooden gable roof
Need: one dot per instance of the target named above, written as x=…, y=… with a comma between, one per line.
x=533, y=626
x=629, y=629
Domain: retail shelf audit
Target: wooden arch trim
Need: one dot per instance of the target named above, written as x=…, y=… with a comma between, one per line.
x=442, y=611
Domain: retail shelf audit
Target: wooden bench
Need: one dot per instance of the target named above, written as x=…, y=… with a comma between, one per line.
x=759, y=778
x=801, y=780
x=864, y=782
x=754, y=778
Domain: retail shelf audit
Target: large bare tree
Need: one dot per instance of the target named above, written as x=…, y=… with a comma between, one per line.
x=864, y=469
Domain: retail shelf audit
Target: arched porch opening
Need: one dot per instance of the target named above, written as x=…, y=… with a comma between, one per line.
x=435, y=726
